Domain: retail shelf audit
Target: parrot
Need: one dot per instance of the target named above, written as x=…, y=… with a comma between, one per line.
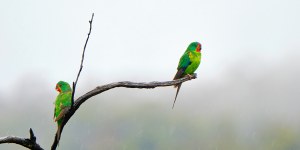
x=188, y=64
x=62, y=103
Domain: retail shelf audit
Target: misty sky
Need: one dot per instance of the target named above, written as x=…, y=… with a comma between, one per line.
x=142, y=40
x=250, y=67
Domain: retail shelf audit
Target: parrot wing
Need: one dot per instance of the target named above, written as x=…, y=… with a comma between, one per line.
x=184, y=62
x=66, y=99
x=63, y=101
x=54, y=112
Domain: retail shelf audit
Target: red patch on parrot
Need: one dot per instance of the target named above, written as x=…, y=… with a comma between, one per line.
x=198, y=49
x=58, y=88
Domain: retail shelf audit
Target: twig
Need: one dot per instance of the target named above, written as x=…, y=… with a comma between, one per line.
x=29, y=143
x=82, y=59
x=56, y=139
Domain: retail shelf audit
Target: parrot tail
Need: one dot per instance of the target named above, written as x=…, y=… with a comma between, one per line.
x=59, y=120
x=58, y=134
x=178, y=88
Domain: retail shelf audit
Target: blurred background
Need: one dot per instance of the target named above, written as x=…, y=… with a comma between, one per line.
x=246, y=95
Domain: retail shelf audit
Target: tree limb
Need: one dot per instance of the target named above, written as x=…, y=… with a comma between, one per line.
x=29, y=143
x=129, y=84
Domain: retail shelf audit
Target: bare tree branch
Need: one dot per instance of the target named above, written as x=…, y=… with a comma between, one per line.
x=126, y=84
x=29, y=143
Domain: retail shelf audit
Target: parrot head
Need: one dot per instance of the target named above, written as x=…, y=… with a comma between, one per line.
x=62, y=86
x=194, y=46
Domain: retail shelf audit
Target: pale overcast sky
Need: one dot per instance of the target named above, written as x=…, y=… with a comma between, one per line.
x=249, y=71
x=142, y=40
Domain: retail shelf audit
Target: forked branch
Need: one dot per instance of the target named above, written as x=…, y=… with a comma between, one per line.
x=30, y=143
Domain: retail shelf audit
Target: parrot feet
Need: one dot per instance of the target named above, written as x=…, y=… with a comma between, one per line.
x=190, y=76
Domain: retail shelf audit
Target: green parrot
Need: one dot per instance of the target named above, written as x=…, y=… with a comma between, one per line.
x=188, y=63
x=62, y=103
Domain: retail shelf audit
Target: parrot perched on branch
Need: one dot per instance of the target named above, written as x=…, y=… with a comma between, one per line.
x=62, y=103
x=188, y=63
